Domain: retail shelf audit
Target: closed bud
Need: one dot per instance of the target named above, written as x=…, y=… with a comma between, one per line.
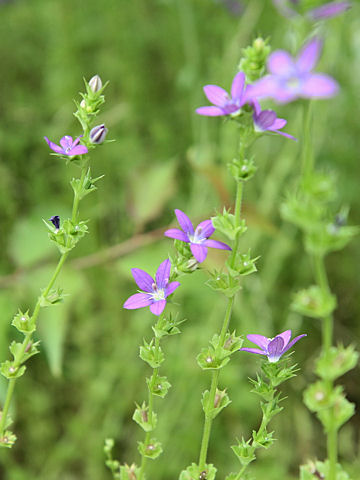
x=98, y=134
x=95, y=83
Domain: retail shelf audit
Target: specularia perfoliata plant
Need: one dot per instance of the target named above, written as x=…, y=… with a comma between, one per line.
x=64, y=233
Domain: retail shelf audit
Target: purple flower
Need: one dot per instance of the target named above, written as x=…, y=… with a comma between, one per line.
x=224, y=103
x=197, y=238
x=329, y=10
x=154, y=292
x=68, y=146
x=273, y=348
x=293, y=78
x=55, y=220
x=266, y=120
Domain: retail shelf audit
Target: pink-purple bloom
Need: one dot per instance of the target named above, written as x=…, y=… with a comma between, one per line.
x=68, y=146
x=273, y=348
x=328, y=10
x=267, y=121
x=154, y=292
x=225, y=104
x=291, y=78
x=198, y=237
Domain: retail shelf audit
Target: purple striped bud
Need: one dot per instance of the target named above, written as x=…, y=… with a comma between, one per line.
x=95, y=83
x=55, y=220
x=98, y=134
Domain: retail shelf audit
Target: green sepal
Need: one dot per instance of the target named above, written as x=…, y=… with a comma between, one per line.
x=318, y=396
x=30, y=350
x=226, y=223
x=129, y=472
x=224, y=283
x=22, y=322
x=151, y=354
x=242, y=171
x=221, y=401
x=54, y=297
x=278, y=372
x=253, y=61
x=68, y=235
x=262, y=388
x=243, y=264
x=271, y=408
x=83, y=187
x=167, y=325
x=151, y=449
x=9, y=371
x=328, y=237
x=314, y=302
x=232, y=343
x=8, y=439
x=193, y=472
x=244, y=451
x=336, y=361
x=142, y=418
x=160, y=386
x=320, y=470
x=263, y=439
x=209, y=359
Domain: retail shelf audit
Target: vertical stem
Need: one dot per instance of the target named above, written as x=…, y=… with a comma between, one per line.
x=225, y=325
x=307, y=150
x=327, y=324
x=19, y=357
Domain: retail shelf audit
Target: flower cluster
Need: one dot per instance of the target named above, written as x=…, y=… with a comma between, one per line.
x=288, y=79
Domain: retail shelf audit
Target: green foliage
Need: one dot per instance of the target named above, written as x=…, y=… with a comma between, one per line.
x=194, y=472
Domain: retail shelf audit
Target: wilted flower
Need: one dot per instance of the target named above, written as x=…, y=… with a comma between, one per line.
x=68, y=146
x=98, y=134
x=154, y=292
x=95, y=83
x=55, y=220
x=197, y=238
x=224, y=103
x=293, y=78
x=273, y=348
x=266, y=120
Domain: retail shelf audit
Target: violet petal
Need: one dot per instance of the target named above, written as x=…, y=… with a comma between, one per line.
x=54, y=147
x=278, y=124
x=281, y=63
x=163, y=274
x=78, y=150
x=216, y=244
x=205, y=229
x=171, y=288
x=237, y=86
x=309, y=55
x=184, y=222
x=138, y=300
x=177, y=234
x=158, y=307
x=199, y=252
x=265, y=120
x=285, y=337
x=275, y=348
x=252, y=350
x=210, y=111
x=319, y=85
x=66, y=142
x=259, y=340
x=293, y=341
x=143, y=280
x=329, y=10
x=216, y=95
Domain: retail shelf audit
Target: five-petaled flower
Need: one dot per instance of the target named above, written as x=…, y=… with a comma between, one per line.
x=154, y=292
x=266, y=120
x=224, y=103
x=290, y=78
x=68, y=146
x=273, y=348
x=197, y=238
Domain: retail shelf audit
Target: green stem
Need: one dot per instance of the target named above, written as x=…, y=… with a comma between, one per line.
x=225, y=325
x=322, y=281
x=150, y=411
x=307, y=150
x=28, y=338
x=332, y=452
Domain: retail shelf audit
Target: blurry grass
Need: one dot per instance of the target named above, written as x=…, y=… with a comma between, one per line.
x=157, y=54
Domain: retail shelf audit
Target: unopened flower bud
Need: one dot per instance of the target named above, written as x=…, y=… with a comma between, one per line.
x=95, y=83
x=98, y=134
x=55, y=220
x=82, y=103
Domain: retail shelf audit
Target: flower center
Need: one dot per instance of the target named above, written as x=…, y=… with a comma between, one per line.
x=158, y=293
x=197, y=237
x=293, y=83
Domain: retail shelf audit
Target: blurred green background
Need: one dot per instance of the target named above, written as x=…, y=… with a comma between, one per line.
x=157, y=55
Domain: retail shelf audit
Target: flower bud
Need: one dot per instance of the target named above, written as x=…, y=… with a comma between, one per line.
x=95, y=83
x=55, y=220
x=98, y=134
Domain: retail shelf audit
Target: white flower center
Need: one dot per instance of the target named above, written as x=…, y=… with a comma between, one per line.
x=158, y=293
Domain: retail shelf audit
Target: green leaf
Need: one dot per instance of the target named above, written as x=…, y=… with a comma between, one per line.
x=226, y=223
x=336, y=361
x=9, y=371
x=141, y=417
x=313, y=302
x=152, y=449
x=151, y=354
x=22, y=322
x=193, y=472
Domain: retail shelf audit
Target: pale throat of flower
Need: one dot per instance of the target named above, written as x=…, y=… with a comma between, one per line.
x=158, y=293
x=197, y=236
x=293, y=83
